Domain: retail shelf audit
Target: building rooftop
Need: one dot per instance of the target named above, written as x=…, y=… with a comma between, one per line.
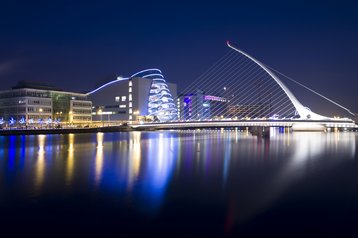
x=35, y=85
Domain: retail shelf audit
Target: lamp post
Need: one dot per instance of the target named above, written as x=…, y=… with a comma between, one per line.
x=40, y=110
x=100, y=113
x=70, y=117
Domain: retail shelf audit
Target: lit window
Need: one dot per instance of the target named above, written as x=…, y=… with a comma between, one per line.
x=124, y=98
x=130, y=89
x=130, y=83
x=130, y=104
x=117, y=99
x=122, y=106
x=130, y=110
x=130, y=97
x=130, y=117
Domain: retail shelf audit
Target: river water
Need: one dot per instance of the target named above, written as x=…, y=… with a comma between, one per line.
x=180, y=184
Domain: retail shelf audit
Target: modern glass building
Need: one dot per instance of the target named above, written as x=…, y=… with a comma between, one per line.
x=145, y=94
x=200, y=106
x=30, y=102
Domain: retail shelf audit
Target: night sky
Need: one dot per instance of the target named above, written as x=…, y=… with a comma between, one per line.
x=76, y=44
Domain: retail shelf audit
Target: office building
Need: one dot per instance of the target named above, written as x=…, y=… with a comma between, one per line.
x=251, y=111
x=199, y=106
x=30, y=102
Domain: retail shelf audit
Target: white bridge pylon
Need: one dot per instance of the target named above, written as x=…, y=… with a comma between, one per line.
x=302, y=111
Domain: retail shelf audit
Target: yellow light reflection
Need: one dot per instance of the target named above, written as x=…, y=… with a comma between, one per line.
x=99, y=158
x=286, y=136
x=40, y=164
x=336, y=133
x=70, y=159
x=134, y=159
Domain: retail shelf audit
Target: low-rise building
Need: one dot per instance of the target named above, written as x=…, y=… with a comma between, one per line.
x=31, y=102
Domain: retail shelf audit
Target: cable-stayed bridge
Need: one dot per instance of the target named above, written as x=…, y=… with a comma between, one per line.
x=240, y=91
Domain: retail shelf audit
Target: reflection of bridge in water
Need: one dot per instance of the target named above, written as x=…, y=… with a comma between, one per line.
x=240, y=91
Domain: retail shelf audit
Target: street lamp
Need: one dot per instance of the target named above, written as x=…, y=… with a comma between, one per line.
x=70, y=116
x=100, y=113
x=40, y=119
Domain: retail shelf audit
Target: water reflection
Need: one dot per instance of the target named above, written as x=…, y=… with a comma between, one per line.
x=134, y=157
x=99, y=158
x=302, y=154
x=40, y=165
x=158, y=170
x=70, y=159
x=247, y=174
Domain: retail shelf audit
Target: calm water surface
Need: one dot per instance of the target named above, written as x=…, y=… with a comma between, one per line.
x=180, y=183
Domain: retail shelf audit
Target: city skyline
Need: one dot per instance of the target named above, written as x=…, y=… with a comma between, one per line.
x=178, y=118
x=76, y=45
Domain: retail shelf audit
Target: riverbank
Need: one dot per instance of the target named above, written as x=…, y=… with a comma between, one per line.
x=8, y=132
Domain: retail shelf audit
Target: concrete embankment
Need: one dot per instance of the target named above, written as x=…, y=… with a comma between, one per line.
x=5, y=132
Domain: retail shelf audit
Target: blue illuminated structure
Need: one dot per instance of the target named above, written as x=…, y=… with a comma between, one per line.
x=22, y=121
x=160, y=102
x=145, y=93
x=12, y=121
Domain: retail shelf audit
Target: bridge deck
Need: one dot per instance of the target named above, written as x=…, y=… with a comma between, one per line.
x=247, y=123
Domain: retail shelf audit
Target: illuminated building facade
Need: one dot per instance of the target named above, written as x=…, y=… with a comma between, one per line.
x=198, y=106
x=145, y=94
x=30, y=102
x=252, y=111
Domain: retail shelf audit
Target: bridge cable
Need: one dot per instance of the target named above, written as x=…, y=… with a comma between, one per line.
x=234, y=76
x=313, y=91
x=247, y=94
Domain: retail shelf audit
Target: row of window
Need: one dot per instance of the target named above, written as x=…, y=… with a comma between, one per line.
x=39, y=102
x=81, y=104
x=110, y=113
x=120, y=98
x=39, y=110
x=82, y=111
x=111, y=106
x=12, y=102
x=36, y=117
x=24, y=93
x=82, y=118
x=23, y=101
x=12, y=110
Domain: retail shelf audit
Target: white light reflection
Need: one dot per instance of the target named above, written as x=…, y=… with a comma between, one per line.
x=227, y=158
x=99, y=158
x=158, y=171
x=306, y=147
x=179, y=154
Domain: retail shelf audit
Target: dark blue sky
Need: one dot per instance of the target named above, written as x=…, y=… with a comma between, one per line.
x=74, y=44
